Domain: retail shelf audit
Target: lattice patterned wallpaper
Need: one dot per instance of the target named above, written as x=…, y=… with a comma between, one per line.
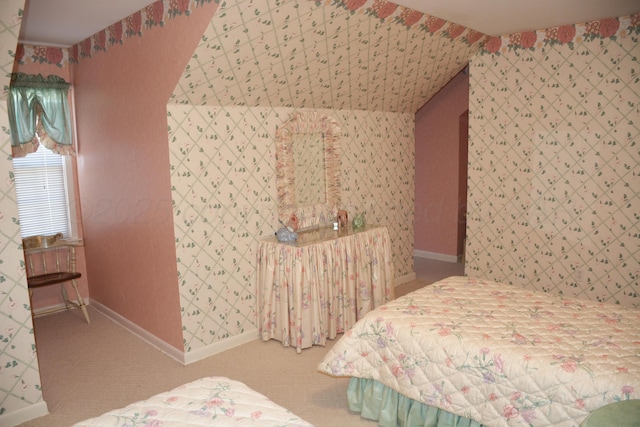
x=19, y=372
x=269, y=59
x=224, y=196
x=305, y=54
x=554, y=161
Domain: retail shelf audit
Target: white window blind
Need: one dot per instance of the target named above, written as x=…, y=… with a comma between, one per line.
x=41, y=190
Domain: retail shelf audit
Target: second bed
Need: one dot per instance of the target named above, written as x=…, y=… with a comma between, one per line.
x=487, y=353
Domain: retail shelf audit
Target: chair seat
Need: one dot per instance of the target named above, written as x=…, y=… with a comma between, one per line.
x=55, y=263
x=51, y=278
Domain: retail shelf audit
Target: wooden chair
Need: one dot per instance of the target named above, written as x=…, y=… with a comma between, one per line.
x=51, y=260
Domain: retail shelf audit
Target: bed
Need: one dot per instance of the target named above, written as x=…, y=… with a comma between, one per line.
x=475, y=352
x=210, y=401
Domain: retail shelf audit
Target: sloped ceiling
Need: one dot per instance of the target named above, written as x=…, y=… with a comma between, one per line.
x=303, y=54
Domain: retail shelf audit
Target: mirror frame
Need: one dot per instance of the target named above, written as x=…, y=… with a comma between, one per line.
x=306, y=123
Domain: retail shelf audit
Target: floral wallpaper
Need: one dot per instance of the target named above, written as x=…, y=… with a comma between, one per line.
x=225, y=198
x=569, y=35
x=19, y=373
x=354, y=55
x=258, y=63
x=554, y=193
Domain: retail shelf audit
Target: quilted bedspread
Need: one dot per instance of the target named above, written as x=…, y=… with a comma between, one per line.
x=497, y=354
x=212, y=401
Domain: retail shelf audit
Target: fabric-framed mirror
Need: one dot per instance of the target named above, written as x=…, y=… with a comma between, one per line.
x=308, y=168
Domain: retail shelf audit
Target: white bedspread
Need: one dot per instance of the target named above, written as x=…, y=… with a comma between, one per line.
x=495, y=353
x=213, y=401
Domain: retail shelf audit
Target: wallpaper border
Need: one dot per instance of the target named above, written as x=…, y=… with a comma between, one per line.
x=154, y=15
x=565, y=35
x=159, y=12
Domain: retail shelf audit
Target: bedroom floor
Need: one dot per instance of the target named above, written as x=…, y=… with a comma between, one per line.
x=87, y=370
x=429, y=271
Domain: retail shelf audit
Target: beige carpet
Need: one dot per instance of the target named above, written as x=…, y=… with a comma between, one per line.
x=87, y=370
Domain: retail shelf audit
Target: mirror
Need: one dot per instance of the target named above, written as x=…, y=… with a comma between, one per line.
x=308, y=169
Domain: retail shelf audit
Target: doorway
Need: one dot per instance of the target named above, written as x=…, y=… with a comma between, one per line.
x=463, y=161
x=441, y=157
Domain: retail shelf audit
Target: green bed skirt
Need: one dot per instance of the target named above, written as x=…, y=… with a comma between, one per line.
x=375, y=401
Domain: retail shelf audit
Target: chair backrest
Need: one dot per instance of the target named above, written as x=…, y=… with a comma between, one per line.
x=48, y=254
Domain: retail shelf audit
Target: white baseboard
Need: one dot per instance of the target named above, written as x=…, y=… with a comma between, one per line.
x=219, y=347
x=397, y=281
x=23, y=415
x=141, y=333
x=437, y=256
x=169, y=350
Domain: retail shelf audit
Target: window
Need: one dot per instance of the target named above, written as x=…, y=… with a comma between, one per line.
x=40, y=119
x=43, y=182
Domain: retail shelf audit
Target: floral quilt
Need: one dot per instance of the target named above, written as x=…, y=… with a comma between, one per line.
x=495, y=353
x=211, y=401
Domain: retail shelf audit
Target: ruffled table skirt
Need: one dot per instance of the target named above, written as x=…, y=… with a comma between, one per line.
x=320, y=286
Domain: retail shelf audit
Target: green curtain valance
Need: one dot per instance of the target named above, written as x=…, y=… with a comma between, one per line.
x=38, y=110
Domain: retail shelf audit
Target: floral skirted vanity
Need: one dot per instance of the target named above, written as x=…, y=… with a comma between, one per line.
x=316, y=283
x=318, y=286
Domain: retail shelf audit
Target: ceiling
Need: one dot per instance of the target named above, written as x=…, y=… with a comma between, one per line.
x=64, y=23
x=501, y=17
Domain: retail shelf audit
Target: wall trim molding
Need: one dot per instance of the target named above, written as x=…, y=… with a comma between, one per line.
x=23, y=415
x=438, y=257
x=220, y=346
x=169, y=350
x=141, y=333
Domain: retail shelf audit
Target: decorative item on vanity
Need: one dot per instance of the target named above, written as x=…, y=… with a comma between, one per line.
x=294, y=223
x=343, y=218
x=286, y=234
x=358, y=222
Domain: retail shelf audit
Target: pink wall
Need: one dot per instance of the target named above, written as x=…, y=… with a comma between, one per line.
x=437, y=169
x=123, y=168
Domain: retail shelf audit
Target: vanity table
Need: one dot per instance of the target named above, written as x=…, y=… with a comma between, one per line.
x=320, y=285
